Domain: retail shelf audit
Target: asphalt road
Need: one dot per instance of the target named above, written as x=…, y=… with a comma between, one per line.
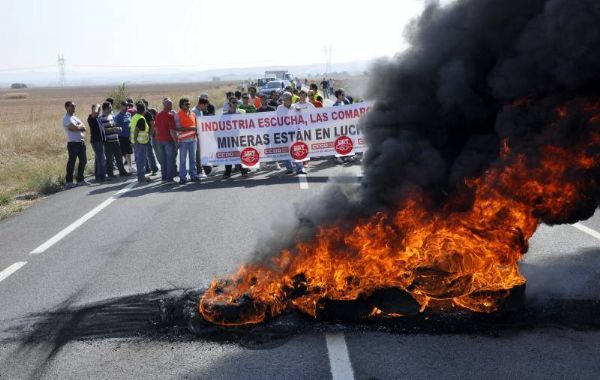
x=161, y=237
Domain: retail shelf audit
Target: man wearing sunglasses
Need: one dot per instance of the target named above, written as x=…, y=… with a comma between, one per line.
x=185, y=124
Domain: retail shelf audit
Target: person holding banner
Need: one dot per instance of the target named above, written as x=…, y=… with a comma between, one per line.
x=210, y=109
x=274, y=100
x=285, y=108
x=341, y=98
x=315, y=89
x=254, y=100
x=246, y=105
x=185, y=124
x=264, y=104
x=232, y=108
x=302, y=104
x=228, y=95
x=313, y=100
x=200, y=110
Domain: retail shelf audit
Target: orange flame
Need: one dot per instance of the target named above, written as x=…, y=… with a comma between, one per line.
x=443, y=258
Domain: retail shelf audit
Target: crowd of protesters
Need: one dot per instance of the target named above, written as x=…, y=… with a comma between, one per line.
x=154, y=139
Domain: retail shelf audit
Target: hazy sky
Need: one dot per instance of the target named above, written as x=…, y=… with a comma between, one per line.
x=118, y=34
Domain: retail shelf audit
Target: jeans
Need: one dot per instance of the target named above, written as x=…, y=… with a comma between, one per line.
x=99, y=160
x=113, y=154
x=166, y=154
x=187, y=149
x=151, y=164
x=157, y=151
x=141, y=155
x=76, y=151
x=288, y=165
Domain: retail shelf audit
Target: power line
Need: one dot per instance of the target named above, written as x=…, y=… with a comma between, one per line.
x=26, y=68
x=174, y=66
x=170, y=66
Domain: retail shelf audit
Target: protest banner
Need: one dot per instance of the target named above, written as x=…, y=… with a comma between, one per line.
x=281, y=135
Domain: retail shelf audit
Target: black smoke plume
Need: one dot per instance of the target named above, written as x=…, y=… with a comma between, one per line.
x=444, y=107
x=441, y=112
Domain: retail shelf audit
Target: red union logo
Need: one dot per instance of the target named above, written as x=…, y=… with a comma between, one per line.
x=343, y=145
x=299, y=150
x=249, y=156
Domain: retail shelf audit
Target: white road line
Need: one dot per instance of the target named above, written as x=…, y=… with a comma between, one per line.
x=11, y=269
x=339, y=360
x=587, y=230
x=56, y=238
x=303, y=181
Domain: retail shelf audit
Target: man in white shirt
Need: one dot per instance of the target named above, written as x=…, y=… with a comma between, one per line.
x=74, y=131
x=286, y=107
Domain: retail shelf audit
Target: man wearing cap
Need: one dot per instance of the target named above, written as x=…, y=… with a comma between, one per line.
x=74, y=130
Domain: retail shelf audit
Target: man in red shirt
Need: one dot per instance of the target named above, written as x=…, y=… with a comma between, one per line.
x=166, y=135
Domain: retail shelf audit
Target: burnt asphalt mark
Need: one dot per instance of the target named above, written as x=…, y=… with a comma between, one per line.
x=172, y=315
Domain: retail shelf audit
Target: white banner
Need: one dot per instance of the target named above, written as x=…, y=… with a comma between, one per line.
x=281, y=135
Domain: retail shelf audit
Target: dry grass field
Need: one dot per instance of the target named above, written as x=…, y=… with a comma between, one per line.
x=33, y=144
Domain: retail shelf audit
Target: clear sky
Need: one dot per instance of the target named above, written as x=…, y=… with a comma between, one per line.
x=117, y=34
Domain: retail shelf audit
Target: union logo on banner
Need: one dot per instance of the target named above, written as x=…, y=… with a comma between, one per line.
x=299, y=150
x=343, y=145
x=249, y=156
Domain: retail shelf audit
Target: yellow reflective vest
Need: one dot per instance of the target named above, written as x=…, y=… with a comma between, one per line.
x=143, y=137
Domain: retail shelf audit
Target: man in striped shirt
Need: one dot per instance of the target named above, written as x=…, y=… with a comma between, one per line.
x=111, y=145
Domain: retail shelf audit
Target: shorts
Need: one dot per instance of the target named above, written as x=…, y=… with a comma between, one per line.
x=125, y=145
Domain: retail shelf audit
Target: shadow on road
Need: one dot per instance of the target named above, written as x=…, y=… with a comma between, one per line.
x=214, y=183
